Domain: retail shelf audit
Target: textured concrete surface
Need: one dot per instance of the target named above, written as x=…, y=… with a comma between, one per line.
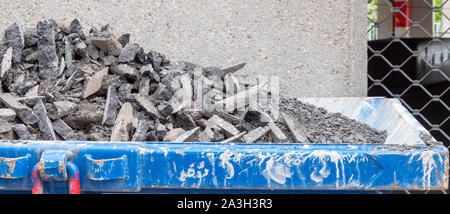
x=316, y=47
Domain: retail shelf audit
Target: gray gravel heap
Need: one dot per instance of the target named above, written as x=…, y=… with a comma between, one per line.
x=60, y=83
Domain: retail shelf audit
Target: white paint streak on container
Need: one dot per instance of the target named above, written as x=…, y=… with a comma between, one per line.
x=428, y=164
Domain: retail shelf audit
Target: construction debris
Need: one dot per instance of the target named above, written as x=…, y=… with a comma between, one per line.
x=7, y=114
x=189, y=136
x=122, y=124
x=255, y=134
x=6, y=62
x=47, y=57
x=228, y=128
x=296, y=128
x=66, y=132
x=141, y=131
x=45, y=125
x=14, y=40
x=22, y=132
x=94, y=83
x=60, y=83
x=277, y=135
x=112, y=103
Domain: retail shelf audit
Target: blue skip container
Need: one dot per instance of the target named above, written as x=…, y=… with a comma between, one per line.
x=404, y=162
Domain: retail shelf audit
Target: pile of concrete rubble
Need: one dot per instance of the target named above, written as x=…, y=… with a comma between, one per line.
x=58, y=83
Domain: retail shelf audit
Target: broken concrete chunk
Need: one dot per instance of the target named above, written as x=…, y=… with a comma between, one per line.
x=4, y=126
x=6, y=62
x=175, y=105
x=94, y=82
x=10, y=101
x=189, y=136
x=148, y=70
x=234, y=139
x=32, y=92
x=22, y=132
x=125, y=93
x=124, y=39
x=162, y=93
x=144, y=86
x=207, y=135
x=106, y=44
x=32, y=57
x=6, y=132
x=30, y=100
x=68, y=54
x=81, y=49
x=297, y=130
x=27, y=115
x=62, y=66
x=173, y=134
x=30, y=37
x=233, y=69
x=186, y=84
x=278, y=135
x=211, y=134
x=161, y=131
x=217, y=82
x=7, y=114
x=165, y=109
x=112, y=103
x=85, y=115
x=72, y=79
x=229, y=117
x=129, y=52
x=201, y=86
x=240, y=99
x=122, y=124
x=185, y=121
x=148, y=106
x=140, y=56
x=63, y=108
x=256, y=114
x=232, y=85
x=175, y=84
x=157, y=60
x=227, y=127
x=141, y=131
x=14, y=40
x=48, y=59
x=44, y=123
x=93, y=52
x=66, y=132
x=255, y=134
x=75, y=27
x=124, y=70
x=213, y=71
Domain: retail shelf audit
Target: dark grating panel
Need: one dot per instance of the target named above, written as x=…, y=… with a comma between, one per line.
x=412, y=66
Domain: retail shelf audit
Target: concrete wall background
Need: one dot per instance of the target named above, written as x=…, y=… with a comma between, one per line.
x=318, y=48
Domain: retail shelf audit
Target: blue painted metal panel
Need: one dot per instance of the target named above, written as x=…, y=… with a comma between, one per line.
x=252, y=166
x=290, y=166
x=181, y=167
x=107, y=169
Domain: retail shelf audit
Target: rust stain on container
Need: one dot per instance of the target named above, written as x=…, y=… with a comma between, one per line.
x=10, y=162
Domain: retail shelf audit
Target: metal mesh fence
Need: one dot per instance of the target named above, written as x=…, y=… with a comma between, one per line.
x=408, y=59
